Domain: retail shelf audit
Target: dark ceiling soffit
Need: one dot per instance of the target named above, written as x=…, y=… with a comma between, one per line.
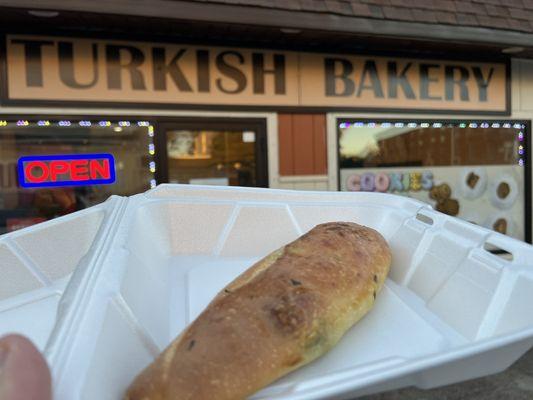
x=184, y=10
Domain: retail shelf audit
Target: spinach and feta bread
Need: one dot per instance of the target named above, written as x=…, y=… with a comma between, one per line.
x=285, y=311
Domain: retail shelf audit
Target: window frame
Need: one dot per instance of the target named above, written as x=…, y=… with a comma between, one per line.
x=258, y=125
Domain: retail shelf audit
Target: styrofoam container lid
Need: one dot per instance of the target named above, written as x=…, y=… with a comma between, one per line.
x=450, y=310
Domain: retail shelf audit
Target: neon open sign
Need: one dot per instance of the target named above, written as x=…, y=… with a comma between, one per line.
x=66, y=170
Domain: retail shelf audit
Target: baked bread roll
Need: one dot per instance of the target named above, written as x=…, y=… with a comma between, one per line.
x=282, y=313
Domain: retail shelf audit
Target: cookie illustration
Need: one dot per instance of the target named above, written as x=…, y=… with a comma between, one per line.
x=472, y=179
x=504, y=191
x=503, y=223
x=500, y=225
x=472, y=182
x=448, y=206
x=440, y=192
x=442, y=195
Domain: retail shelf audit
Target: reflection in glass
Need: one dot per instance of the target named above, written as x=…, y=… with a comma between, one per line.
x=211, y=157
x=188, y=145
x=378, y=146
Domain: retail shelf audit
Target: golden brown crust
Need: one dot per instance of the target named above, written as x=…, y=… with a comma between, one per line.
x=285, y=311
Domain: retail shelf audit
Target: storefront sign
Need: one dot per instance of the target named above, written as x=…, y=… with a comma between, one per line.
x=390, y=182
x=487, y=195
x=64, y=69
x=66, y=170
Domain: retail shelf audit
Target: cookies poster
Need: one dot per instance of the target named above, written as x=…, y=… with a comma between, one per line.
x=491, y=196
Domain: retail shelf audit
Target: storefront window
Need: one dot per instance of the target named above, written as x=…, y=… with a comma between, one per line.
x=469, y=169
x=130, y=143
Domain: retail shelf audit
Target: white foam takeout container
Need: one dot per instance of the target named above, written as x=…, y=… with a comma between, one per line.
x=139, y=269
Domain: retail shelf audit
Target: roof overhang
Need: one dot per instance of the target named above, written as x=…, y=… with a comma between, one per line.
x=276, y=18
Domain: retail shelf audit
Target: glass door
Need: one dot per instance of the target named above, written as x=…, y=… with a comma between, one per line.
x=223, y=152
